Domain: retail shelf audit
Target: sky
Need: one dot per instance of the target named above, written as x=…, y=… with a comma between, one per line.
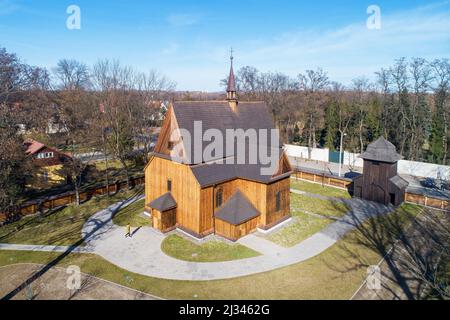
x=190, y=41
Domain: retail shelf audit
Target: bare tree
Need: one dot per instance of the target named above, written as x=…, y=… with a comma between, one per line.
x=362, y=87
x=384, y=82
x=312, y=83
x=421, y=77
x=399, y=74
x=72, y=74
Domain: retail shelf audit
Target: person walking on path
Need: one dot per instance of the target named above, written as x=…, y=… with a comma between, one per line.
x=128, y=233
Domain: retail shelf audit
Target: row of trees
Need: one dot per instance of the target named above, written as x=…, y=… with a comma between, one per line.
x=108, y=108
x=105, y=109
x=409, y=103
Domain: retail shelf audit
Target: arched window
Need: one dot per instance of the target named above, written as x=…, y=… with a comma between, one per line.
x=219, y=198
x=169, y=185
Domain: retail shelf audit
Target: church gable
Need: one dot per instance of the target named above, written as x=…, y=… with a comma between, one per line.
x=169, y=141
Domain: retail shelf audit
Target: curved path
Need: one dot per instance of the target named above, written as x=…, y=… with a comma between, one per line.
x=142, y=253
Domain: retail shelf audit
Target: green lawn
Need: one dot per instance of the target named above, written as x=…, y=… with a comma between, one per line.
x=303, y=226
x=112, y=164
x=211, y=251
x=132, y=215
x=327, y=208
x=59, y=227
x=334, y=274
x=319, y=189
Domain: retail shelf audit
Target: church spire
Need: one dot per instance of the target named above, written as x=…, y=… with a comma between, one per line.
x=231, y=88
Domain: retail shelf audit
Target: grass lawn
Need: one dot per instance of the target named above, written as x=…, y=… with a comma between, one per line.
x=211, y=251
x=319, y=189
x=132, y=215
x=112, y=164
x=304, y=203
x=335, y=274
x=59, y=227
x=303, y=226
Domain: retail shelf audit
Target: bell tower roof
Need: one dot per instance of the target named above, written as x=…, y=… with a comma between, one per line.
x=231, y=79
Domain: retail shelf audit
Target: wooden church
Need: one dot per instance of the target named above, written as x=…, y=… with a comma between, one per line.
x=380, y=181
x=214, y=197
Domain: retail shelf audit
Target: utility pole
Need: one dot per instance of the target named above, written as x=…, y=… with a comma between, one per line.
x=341, y=153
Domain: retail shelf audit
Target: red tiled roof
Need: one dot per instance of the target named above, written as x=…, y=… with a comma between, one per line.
x=33, y=146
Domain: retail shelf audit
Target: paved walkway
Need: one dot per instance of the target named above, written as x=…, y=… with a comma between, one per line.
x=142, y=253
x=43, y=248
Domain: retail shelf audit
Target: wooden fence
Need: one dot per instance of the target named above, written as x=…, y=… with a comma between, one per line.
x=44, y=204
x=326, y=179
x=345, y=183
x=427, y=201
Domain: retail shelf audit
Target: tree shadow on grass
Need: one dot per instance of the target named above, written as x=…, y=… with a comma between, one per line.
x=97, y=225
x=35, y=219
x=415, y=249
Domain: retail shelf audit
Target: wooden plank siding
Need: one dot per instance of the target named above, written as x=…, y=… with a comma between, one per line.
x=170, y=134
x=232, y=232
x=424, y=200
x=272, y=216
x=207, y=200
x=262, y=196
x=164, y=221
x=185, y=190
x=323, y=179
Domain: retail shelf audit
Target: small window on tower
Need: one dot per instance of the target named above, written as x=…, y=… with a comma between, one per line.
x=169, y=185
x=219, y=198
x=170, y=145
x=278, y=201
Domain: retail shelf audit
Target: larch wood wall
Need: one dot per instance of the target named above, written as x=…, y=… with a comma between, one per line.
x=232, y=232
x=195, y=206
x=272, y=216
x=164, y=221
x=375, y=185
x=262, y=196
x=185, y=190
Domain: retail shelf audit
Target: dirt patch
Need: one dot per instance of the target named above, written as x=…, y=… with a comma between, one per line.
x=53, y=286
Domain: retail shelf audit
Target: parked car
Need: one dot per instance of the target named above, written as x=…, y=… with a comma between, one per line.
x=428, y=183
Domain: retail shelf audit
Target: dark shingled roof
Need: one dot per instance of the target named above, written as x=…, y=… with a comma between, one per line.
x=218, y=115
x=163, y=203
x=214, y=173
x=399, y=182
x=237, y=210
x=381, y=150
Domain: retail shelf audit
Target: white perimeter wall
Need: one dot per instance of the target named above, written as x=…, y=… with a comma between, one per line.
x=413, y=168
x=422, y=169
x=302, y=152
